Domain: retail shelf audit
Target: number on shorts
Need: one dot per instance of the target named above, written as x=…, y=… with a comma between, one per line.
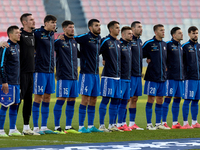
x=86, y=89
x=40, y=88
x=171, y=91
x=109, y=91
x=152, y=90
x=65, y=90
x=191, y=93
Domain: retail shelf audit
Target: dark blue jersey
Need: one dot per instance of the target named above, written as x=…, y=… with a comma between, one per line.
x=66, y=59
x=157, y=52
x=89, y=52
x=175, y=70
x=191, y=60
x=10, y=64
x=44, y=46
x=137, y=55
x=126, y=55
x=111, y=52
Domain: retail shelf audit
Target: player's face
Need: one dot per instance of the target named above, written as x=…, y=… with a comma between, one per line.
x=51, y=25
x=69, y=30
x=160, y=32
x=96, y=28
x=15, y=36
x=137, y=30
x=30, y=22
x=115, y=29
x=178, y=35
x=128, y=35
x=194, y=35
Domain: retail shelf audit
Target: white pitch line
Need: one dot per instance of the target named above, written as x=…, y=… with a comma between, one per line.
x=53, y=141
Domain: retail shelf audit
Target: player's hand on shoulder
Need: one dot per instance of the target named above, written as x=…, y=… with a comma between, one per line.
x=4, y=44
x=148, y=61
x=61, y=37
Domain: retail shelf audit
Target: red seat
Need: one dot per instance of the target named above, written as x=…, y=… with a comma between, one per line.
x=186, y=15
x=144, y=9
x=176, y=9
x=194, y=15
x=185, y=9
x=105, y=15
x=111, y=9
x=152, y=9
x=104, y=9
x=151, y=3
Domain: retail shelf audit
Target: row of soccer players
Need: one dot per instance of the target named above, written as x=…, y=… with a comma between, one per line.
x=121, y=77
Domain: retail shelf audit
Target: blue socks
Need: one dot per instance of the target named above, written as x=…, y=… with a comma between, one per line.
x=45, y=113
x=2, y=116
x=13, y=116
x=185, y=109
x=165, y=107
x=122, y=110
x=149, y=112
x=194, y=109
x=175, y=109
x=91, y=114
x=113, y=110
x=35, y=113
x=103, y=109
x=58, y=111
x=69, y=112
x=158, y=111
x=82, y=112
x=132, y=113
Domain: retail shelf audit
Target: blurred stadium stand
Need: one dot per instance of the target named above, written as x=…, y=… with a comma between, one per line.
x=182, y=13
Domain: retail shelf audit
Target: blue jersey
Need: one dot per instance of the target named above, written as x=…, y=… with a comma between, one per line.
x=137, y=55
x=111, y=52
x=126, y=55
x=44, y=46
x=10, y=64
x=191, y=60
x=66, y=59
x=157, y=52
x=175, y=70
x=89, y=52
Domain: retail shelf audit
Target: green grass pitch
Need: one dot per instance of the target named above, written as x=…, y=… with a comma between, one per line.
x=96, y=137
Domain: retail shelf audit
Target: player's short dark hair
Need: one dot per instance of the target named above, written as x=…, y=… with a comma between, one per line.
x=157, y=26
x=11, y=29
x=125, y=28
x=173, y=30
x=134, y=23
x=192, y=29
x=49, y=18
x=111, y=24
x=91, y=21
x=24, y=17
x=66, y=23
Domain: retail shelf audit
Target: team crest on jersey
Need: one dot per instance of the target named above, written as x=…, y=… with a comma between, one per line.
x=118, y=45
x=111, y=45
x=124, y=48
x=74, y=44
x=164, y=48
x=65, y=44
x=154, y=48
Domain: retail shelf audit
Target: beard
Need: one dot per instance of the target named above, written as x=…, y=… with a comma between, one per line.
x=96, y=32
x=195, y=39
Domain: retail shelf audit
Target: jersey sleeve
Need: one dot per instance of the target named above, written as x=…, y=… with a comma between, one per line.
x=81, y=39
x=145, y=49
x=4, y=57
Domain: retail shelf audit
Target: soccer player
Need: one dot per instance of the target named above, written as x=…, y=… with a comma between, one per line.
x=136, y=72
x=155, y=86
x=175, y=77
x=27, y=48
x=89, y=82
x=191, y=60
x=66, y=72
x=44, y=80
x=10, y=72
x=110, y=79
x=126, y=55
